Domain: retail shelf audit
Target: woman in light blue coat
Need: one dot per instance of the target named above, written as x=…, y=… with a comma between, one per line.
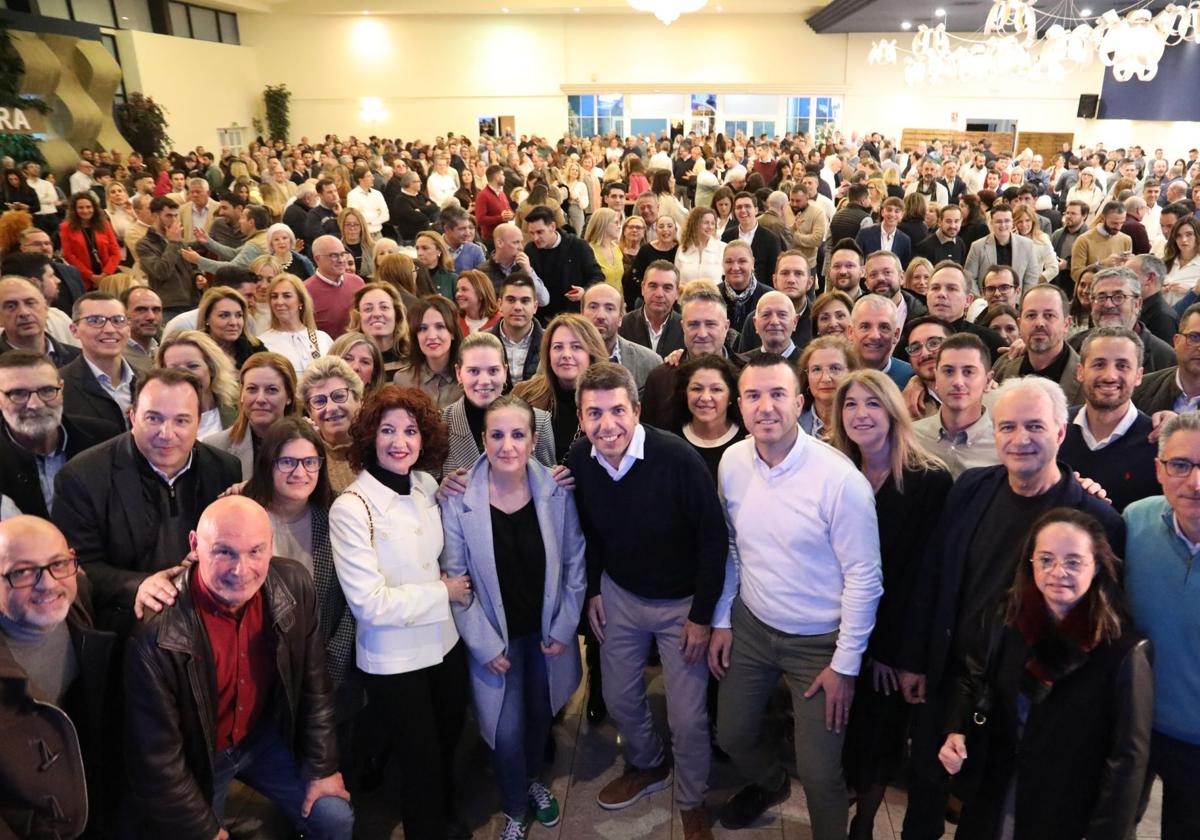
x=516, y=533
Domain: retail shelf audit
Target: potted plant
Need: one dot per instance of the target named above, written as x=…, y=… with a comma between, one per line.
x=278, y=99
x=143, y=123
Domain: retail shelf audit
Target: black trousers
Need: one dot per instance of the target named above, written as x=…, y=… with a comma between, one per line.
x=422, y=713
x=1177, y=763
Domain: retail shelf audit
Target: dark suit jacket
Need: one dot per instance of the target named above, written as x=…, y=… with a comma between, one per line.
x=1157, y=392
x=766, y=248
x=531, y=358
x=658, y=397
x=99, y=507
x=84, y=397
x=1158, y=353
x=633, y=327
x=19, y=479
x=870, y=238
x=70, y=286
x=63, y=354
x=1159, y=318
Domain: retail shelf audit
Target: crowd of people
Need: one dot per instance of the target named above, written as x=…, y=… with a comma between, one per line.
x=315, y=456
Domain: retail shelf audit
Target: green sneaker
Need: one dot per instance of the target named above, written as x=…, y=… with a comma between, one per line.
x=514, y=829
x=545, y=806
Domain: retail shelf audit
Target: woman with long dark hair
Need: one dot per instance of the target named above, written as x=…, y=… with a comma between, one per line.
x=88, y=240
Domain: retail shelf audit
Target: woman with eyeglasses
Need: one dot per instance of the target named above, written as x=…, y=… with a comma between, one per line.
x=199, y=355
x=332, y=394
x=268, y=392
x=1050, y=720
x=823, y=365
x=871, y=426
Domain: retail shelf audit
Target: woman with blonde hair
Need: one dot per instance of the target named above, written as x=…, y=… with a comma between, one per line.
x=1088, y=190
x=268, y=392
x=352, y=225
x=117, y=284
x=1026, y=224
x=700, y=248
x=434, y=256
x=478, y=309
x=281, y=244
x=916, y=276
x=402, y=274
x=578, y=195
x=293, y=330
x=871, y=426
x=378, y=312
x=223, y=315
x=364, y=358
x=570, y=345
x=603, y=234
x=119, y=211
x=199, y=355
x=265, y=269
x=274, y=198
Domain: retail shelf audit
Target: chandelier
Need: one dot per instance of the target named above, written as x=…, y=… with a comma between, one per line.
x=669, y=11
x=1130, y=42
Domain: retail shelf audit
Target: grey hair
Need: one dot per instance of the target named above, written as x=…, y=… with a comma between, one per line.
x=1042, y=387
x=1150, y=264
x=197, y=182
x=1132, y=283
x=874, y=301
x=1113, y=332
x=328, y=367
x=1188, y=421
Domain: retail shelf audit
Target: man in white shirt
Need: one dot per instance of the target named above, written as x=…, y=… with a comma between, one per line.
x=368, y=201
x=802, y=583
x=46, y=217
x=442, y=182
x=82, y=178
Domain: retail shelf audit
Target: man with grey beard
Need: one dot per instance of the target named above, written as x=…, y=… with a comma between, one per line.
x=36, y=440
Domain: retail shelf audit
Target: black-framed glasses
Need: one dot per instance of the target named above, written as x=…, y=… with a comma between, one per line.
x=98, y=321
x=29, y=576
x=1192, y=338
x=339, y=396
x=931, y=344
x=1116, y=298
x=1178, y=467
x=1002, y=289
x=288, y=464
x=20, y=396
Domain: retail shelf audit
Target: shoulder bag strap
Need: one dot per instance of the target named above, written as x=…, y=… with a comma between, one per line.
x=370, y=519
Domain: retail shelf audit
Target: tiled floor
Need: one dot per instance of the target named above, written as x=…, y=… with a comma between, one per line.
x=587, y=758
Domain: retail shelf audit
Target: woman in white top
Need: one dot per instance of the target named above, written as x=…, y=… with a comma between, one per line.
x=120, y=212
x=199, y=355
x=386, y=533
x=268, y=392
x=1025, y=223
x=293, y=333
x=580, y=204
x=1088, y=190
x=1179, y=254
x=663, y=186
x=700, y=249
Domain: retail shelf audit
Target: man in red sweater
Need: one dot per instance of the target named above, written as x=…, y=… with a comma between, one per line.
x=332, y=288
x=491, y=205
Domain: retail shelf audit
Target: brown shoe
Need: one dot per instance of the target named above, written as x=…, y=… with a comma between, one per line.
x=697, y=824
x=632, y=785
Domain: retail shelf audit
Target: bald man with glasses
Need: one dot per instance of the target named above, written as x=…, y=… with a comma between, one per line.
x=332, y=287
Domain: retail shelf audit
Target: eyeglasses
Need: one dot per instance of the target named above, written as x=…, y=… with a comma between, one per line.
x=338, y=396
x=930, y=344
x=1046, y=563
x=1178, y=467
x=817, y=371
x=98, y=321
x=1002, y=289
x=1193, y=338
x=1116, y=298
x=20, y=396
x=288, y=464
x=340, y=255
x=30, y=576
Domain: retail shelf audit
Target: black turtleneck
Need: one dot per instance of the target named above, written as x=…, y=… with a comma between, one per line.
x=399, y=483
x=475, y=417
x=565, y=423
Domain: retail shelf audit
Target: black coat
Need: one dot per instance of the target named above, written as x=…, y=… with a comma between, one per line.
x=19, y=479
x=99, y=507
x=296, y=218
x=571, y=263
x=83, y=395
x=534, y=354
x=411, y=214
x=633, y=328
x=1157, y=392
x=749, y=339
x=171, y=712
x=766, y=248
x=70, y=286
x=1080, y=761
x=61, y=354
x=1160, y=319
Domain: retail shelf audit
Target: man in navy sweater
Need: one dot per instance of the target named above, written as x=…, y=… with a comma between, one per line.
x=565, y=263
x=1108, y=439
x=656, y=548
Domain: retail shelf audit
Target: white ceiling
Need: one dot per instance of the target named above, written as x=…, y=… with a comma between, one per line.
x=802, y=8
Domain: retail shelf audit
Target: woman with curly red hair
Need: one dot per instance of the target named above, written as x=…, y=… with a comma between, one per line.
x=386, y=534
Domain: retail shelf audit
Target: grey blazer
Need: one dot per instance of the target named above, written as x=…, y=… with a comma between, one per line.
x=1026, y=264
x=467, y=522
x=464, y=450
x=638, y=360
x=243, y=451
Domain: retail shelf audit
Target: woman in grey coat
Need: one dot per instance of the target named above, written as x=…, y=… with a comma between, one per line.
x=516, y=533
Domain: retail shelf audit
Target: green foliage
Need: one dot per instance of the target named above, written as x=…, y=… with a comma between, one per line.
x=21, y=147
x=278, y=101
x=143, y=123
x=12, y=71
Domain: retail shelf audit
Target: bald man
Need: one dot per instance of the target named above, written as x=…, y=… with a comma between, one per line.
x=56, y=696
x=249, y=622
x=333, y=285
x=775, y=320
x=604, y=306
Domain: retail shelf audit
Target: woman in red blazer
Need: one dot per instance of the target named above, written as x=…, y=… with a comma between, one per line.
x=88, y=240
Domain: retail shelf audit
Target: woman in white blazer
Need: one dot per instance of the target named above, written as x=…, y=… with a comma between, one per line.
x=700, y=251
x=386, y=534
x=516, y=533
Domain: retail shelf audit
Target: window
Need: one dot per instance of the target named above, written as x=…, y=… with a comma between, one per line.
x=809, y=114
x=55, y=9
x=229, y=28
x=232, y=138
x=592, y=114
x=202, y=23
x=134, y=14
x=99, y=12
x=110, y=44
x=180, y=25
x=766, y=127
x=829, y=112
x=732, y=127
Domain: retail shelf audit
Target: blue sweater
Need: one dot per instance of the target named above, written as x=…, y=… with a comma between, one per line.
x=1164, y=596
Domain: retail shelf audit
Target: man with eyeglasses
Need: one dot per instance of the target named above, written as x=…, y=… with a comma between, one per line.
x=23, y=319
x=970, y=564
x=36, y=439
x=333, y=286
x=1000, y=286
x=1160, y=550
x=922, y=340
x=55, y=706
x=127, y=505
x=1116, y=295
x=332, y=394
x=98, y=383
x=1176, y=388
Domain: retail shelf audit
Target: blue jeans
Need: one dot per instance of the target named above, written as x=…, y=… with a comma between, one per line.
x=263, y=762
x=524, y=723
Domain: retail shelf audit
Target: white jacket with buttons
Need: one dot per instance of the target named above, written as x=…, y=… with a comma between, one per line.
x=393, y=581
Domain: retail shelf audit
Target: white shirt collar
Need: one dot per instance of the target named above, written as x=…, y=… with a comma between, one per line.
x=1193, y=548
x=171, y=481
x=1131, y=415
x=636, y=451
x=335, y=283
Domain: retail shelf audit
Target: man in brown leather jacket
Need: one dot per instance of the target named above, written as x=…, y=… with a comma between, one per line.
x=244, y=624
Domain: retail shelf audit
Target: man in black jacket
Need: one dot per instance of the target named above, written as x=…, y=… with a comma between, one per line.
x=566, y=264
x=36, y=439
x=98, y=383
x=656, y=324
x=1158, y=317
x=126, y=506
x=23, y=315
x=35, y=241
x=230, y=682
x=764, y=244
x=411, y=210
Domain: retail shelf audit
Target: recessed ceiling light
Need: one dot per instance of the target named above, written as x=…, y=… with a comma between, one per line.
x=504, y=9
x=576, y=9
x=365, y=12
x=1085, y=12
x=905, y=25
x=720, y=8
x=939, y=12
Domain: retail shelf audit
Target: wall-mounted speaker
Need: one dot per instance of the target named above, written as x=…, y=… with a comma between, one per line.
x=1089, y=104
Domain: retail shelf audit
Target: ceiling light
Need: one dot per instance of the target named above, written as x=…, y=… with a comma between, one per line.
x=905, y=25
x=576, y=9
x=668, y=10
x=939, y=12
x=1085, y=12
x=720, y=8
x=504, y=9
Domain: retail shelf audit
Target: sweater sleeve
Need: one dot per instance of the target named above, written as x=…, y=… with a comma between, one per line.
x=854, y=534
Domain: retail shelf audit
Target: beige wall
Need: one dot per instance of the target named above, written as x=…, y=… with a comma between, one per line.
x=437, y=74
